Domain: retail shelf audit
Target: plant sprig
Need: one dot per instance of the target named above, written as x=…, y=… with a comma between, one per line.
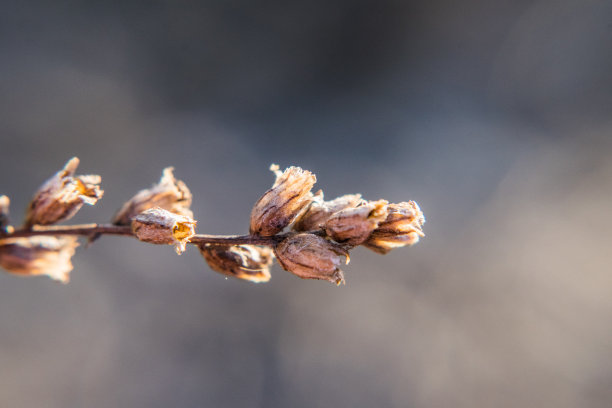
x=310, y=237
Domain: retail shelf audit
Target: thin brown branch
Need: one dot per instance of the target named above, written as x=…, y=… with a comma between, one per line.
x=81, y=229
x=235, y=239
x=107, y=229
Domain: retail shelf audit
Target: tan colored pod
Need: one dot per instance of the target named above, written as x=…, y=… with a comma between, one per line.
x=281, y=204
x=60, y=197
x=246, y=262
x=38, y=255
x=159, y=226
x=170, y=194
x=403, y=226
x=320, y=211
x=353, y=226
x=312, y=257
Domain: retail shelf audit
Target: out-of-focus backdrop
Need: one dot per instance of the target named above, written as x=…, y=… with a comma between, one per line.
x=493, y=115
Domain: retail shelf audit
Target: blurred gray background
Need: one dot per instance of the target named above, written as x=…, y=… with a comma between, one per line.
x=493, y=115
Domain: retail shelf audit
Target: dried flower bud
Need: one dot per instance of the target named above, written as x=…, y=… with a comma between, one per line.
x=403, y=226
x=170, y=194
x=246, y=262
x=60, y=197
x=39, y=255
x=312, y=257
x=280, y=205
x=159, y=226
x=320, y=211
x=353, y=226
x=4, y=213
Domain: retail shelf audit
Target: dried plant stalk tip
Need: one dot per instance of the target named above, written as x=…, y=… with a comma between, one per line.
x=324, y=231
x=159, y=226
x=39, y=255
x=312, y=257
x=403, y=226
x=169, y=194
x=246, y=262
x=63, y=195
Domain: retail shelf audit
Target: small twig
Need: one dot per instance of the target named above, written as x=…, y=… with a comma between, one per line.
x=81, y=229
x=236, y=239
x=107, y=229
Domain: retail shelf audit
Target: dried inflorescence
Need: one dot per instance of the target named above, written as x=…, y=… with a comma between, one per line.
x=327, y=230
x=60, y=197
x=310, y=237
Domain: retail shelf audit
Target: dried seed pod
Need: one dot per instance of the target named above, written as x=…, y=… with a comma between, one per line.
x=60, y=197
x=4, y=213
x=403, y=226
x=312, y=257
x=39, y=255
x=159, y=226
x=170, y=194
x=281, y=204
x=320, y=211
x=246, y=262
x=353, y=226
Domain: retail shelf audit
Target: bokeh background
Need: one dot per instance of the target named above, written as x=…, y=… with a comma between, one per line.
x=493, y=115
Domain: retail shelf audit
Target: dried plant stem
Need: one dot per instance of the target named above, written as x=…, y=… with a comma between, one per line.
x=308, y=236
x=108, y=229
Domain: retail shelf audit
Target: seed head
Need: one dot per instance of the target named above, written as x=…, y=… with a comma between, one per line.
x=403, y=226
x=169, y=194
x=281, y=204
x=159, y=226
x=312, y=257
x=60, y=197
x=352, y=226
x=39, y=255
x=246, y=262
